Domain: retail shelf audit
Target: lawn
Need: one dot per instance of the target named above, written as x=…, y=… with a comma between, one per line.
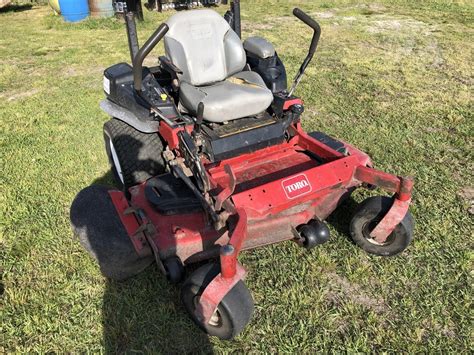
x=394, y=78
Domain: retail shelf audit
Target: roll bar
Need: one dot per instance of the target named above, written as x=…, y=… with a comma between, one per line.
x=143, y=52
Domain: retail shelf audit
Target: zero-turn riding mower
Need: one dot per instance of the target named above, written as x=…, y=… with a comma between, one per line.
x=210, y=153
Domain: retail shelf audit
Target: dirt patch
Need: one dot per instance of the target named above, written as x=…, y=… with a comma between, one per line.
x=377, y=7
x=386, y=24
x=349, y=18
x=325, y=14
x=72, y=71
x=371, y=9
x=467, y=195
x=438, y=60
x=446, y=331
x=398, y=36
x=69, y=72
x=252, y=26
x=341, y=290
x=21, y=95
x=381, y=26
x=407, y=37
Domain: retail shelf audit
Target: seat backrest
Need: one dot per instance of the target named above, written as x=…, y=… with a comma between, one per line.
x=203, y=46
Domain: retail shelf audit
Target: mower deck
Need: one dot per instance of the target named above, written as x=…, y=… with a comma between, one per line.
x=274, y=190
x=280, y=188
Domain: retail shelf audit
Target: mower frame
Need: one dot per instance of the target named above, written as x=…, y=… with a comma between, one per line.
x=249, y=200
x=267, y=210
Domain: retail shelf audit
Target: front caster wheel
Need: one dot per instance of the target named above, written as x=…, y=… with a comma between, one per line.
x=313, y=234
x=369, y=213
x=174, y=269
x=233, y=313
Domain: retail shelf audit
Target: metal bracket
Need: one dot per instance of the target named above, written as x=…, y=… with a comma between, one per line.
x=228, y=190
x=390, y=221
x=135, y=229
x=401, y=186
x=139, y=229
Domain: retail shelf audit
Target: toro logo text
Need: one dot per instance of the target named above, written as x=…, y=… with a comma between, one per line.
x=296, y=186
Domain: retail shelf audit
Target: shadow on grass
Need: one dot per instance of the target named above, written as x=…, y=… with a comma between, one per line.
x=106, y=180
x=2, y=287
x=2, y=257
x=16, y=8
x=341, y=217
x=144, y=314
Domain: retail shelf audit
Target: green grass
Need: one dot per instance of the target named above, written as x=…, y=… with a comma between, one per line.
x=394, y=79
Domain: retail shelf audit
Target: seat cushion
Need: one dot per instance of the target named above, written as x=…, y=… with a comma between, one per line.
x=241, y=95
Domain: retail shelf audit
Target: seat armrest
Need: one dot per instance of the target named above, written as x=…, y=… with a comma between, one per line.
x=259, y=47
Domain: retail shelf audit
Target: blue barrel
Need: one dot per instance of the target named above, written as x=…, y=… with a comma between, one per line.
x=74, y=10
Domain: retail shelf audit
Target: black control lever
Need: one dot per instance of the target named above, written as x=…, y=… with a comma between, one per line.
x=312, y=48
x=199, y=118
x=191, y=157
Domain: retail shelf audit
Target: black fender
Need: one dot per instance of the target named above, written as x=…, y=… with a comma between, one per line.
x=129, y=117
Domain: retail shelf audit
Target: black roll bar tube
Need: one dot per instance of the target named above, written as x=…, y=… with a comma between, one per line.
x=143, y=52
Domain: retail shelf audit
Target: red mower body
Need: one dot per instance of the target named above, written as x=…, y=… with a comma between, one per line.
x=274, y=191
x=254, y=181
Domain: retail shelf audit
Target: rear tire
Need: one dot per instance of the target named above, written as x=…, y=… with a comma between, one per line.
x=134, y=156
x=368, y=214
x=233, y=313
x=95, y=222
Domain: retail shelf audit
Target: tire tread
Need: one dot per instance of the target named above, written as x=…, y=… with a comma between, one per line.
x=140, y=154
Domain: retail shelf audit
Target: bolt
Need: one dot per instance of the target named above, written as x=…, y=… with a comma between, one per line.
x=227, y=250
